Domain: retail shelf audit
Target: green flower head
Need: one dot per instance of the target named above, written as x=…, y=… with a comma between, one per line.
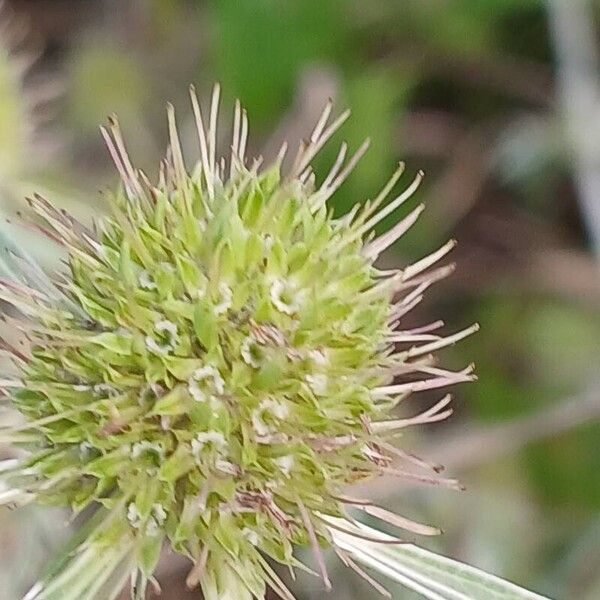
x=215, y=366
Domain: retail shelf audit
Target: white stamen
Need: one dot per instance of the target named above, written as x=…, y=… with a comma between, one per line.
x=178, y=164
x=379, y=244
x=393, y=205
x=337, y=165
x=212, y=127
x=235, y=144
x=310, y=151
x=206, y=166
x=447, y=341
x=326, y=193
x=243, y=136
x=426, y=262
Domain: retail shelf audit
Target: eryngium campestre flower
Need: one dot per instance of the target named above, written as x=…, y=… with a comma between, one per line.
x=215, y=366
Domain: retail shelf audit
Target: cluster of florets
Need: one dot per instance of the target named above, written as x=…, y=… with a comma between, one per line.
x=216, y=366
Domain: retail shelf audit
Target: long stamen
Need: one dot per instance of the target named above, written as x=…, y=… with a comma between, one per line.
x=206, y=164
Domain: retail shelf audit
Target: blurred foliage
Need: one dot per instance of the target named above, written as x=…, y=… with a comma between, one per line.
x=461, y=88
x=12, y=119
x=103, y=75
x=259, y=48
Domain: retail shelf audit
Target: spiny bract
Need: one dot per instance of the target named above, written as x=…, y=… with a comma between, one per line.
x=215, y=366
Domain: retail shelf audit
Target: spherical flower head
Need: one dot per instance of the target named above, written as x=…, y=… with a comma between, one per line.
x=217, y=364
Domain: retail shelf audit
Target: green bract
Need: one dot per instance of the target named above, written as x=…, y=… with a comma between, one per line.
x=213, y=369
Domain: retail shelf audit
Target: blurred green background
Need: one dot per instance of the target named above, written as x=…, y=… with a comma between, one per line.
x=497, y=100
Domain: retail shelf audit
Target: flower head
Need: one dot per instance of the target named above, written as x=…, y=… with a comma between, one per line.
x=217, y=364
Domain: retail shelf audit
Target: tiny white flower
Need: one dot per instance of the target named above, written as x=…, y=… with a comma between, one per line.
x=280, y=410
x=248, y=352
x=85, y=449
x=227, y=467
x=318, y=383
x=286, y=297
x=196, y=391
x=268, y=242
x=166, y=326
x=160, y=515
x=212, y=439
x=276, y=410
x=133, y=515
x=261, y=428
x=205, y=382
x=285, y=463
x=145, y=446
x=348, y=327
x=251, y=536
x=104, y=389
x=145, y=281
x=152, y=527
x=154, y=347
x=226, y=299
x=210, y=372
x=170, y=330
x=319, y=357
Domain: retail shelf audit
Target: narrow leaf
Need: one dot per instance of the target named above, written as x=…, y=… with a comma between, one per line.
x=431, y=575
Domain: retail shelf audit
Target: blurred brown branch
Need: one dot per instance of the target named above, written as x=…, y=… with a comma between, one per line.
x=526, y=80
x=574, y=34
x=468, y=447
